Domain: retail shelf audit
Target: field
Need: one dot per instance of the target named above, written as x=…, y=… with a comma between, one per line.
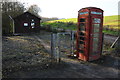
x=74, y=20
x=111, y=20
x=108, y=20
x=110, y=24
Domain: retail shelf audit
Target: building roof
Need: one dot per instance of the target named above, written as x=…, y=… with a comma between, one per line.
x=27, y=13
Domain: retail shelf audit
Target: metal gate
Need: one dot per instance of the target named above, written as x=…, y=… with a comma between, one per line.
x=62, y=44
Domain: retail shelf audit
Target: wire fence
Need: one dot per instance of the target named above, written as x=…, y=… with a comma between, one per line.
x=62, y=44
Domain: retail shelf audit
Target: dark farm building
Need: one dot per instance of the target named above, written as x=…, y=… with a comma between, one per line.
x=26, y=23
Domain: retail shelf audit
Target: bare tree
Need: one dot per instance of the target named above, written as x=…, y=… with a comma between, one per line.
x=34, y=9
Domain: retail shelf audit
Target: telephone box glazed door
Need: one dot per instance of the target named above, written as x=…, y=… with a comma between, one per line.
x=95, y=38
x=82, y=37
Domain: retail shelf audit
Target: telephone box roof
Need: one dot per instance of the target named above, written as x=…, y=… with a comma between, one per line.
x=91, y=8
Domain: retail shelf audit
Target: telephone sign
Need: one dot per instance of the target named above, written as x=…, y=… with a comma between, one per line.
x=92, y=12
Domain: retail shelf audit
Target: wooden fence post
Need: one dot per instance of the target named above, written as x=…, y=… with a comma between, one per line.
x=114, y=42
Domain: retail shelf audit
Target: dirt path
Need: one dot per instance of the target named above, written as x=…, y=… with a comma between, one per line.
x=109, y=39
x=106, y=67
x=46, y=45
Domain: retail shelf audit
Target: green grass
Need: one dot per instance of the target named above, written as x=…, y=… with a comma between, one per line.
x=115, y=33
x=62, y=25
x=71, y=24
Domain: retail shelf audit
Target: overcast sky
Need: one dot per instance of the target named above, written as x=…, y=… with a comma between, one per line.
x=69, y=8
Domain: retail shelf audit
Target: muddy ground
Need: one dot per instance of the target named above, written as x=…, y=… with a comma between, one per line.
x=25, y=57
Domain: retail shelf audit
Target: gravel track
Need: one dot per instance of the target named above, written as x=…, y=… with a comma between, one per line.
x=34, y=61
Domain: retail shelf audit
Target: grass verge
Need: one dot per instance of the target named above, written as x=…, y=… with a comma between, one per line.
x=114, y=33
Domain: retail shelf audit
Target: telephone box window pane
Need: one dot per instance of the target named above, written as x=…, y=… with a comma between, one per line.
x=95, y=45
x=81, y=13
x=96, y=35
x=81, y=51
x=81, y=46
x=93, y=12
x=82, y=38
x=82, y=20
x=97, y=20
x=95, y=49
x=96, y=28
x=96, y=25
x=82, y=27
x=81, y=42
x=95, y=40
x=82, y=34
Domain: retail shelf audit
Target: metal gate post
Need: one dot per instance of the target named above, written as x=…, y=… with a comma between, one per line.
x=52, y=46
x=55, y=48
x=58, y=47
x=72, y=33
x=102, y=43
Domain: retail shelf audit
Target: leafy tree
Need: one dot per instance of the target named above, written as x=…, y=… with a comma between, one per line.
x=10, y=9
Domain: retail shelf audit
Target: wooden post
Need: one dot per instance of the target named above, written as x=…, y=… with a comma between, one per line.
x=72, y=42
x=114, y=42
x=13, y=24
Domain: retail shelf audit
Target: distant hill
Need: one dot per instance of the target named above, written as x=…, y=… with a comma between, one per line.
x=108, y=20
x=44, y=19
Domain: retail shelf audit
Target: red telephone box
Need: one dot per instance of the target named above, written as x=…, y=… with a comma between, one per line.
x=89, y=33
